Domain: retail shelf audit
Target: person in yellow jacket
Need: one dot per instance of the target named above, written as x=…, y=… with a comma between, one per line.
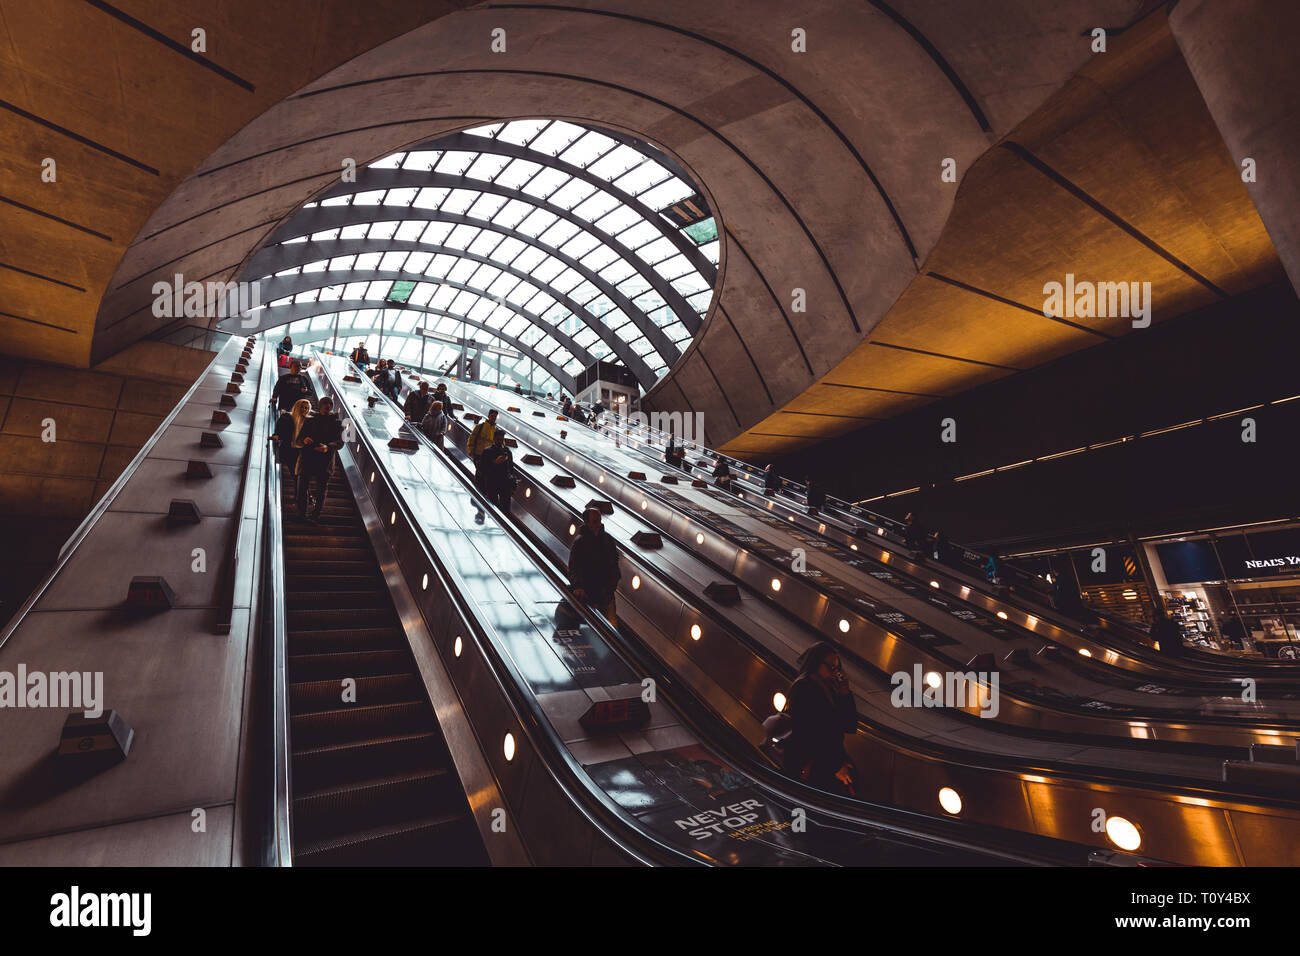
x=480, y=440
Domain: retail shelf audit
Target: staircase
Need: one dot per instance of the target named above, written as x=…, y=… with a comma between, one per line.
x=373, y=784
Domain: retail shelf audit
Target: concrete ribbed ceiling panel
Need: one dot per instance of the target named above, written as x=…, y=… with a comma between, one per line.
x=822, y=164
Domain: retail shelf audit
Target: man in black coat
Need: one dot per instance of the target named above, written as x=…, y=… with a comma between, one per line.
x=593, y=566
x=497, y=472
x=771, y=480
x=321, y=437
x=292, y=386
x=1168, y=634
x=360, y=355
x=417, y=404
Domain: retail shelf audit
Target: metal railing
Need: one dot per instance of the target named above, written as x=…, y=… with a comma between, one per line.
x=281, y=850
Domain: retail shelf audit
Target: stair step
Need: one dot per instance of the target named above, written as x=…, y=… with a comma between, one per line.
x=408, y=795
x=358, y=723
x=344, y=600
x=335, y=764
x=333, y=569
x=321, y=695
x=332, y=582
x=437, y=840
x=328, y=619
x=346, y=640
x=340, y=664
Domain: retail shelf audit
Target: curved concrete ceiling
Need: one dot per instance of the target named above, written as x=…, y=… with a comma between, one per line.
x=1121, y=176
x=823, y=166
x=114, y=94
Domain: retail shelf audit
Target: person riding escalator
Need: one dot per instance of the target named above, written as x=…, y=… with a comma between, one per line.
x=319, y=439
x=822, y=711
x=497, y=474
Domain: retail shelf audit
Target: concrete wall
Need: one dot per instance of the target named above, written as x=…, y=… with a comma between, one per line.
x=101, y=417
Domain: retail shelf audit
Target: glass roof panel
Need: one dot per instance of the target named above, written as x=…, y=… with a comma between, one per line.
x=528, y=240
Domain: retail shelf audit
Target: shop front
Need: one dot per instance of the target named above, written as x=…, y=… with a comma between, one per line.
x=1236, y=591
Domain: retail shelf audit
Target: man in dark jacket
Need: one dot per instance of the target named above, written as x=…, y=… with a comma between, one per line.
x=361, y=356
x=816, y=498
x=771, y=480
x=593, y=566
x=417, y=404
x=497, y=473
x=440, y=395
x=292, y=386
x=822, y=711
x=722, y=474
x=1168, y=634
x=321, y=437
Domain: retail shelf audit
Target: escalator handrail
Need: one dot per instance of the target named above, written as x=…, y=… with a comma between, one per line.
x=273, y=578
x=105, y=502
x=601, y=811
x=846, y=508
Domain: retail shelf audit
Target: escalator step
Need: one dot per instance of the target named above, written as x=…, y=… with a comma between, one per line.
x=340, y=664
x=336, y=764
x=326, y=641
x=322, y=541
x=307, y=697
x=338, y=619
x=444, y=840
x=344, y=600
x=359, y=722
x=409, y=795
x=342, y=582
x=334, y=569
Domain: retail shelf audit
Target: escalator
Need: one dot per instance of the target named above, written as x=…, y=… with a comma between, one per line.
x=373, y=783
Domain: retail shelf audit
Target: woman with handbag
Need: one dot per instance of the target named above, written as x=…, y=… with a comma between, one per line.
x=822, y=711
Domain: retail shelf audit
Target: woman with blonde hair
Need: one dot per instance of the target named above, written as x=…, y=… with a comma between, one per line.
x=287, y=430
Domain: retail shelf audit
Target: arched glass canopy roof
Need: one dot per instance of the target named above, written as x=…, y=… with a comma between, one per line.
x=545, y=245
